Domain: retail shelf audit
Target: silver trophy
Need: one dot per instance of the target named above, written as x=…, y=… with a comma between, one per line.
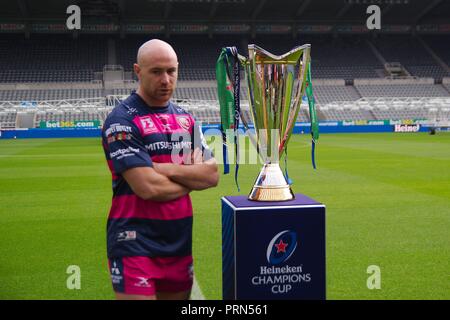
x=276, y=85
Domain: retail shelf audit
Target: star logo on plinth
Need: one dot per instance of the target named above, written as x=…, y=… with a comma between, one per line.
x=281, y=246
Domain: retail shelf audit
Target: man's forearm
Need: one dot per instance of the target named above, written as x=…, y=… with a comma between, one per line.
x=169, y=190
x=194, y=177
x=148, y=184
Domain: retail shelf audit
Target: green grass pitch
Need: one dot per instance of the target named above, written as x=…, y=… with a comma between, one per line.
x=387, y=198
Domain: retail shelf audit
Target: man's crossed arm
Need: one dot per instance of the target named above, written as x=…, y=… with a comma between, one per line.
x=168, y=181
x=199, y=175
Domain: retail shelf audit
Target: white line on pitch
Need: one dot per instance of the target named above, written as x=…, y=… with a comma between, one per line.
x=196, y=293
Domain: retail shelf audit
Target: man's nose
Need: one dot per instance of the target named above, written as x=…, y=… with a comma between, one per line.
x=165, y=78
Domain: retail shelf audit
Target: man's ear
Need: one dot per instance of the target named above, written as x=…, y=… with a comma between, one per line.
x=137, y=70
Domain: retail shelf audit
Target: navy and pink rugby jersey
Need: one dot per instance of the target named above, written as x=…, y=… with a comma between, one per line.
x=136, y=135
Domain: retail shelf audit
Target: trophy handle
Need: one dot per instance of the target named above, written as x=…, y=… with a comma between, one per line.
x=300, y=90
x=275, y=90
x=253, y=137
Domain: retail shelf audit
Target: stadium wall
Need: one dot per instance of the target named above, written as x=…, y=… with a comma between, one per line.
x=50, y=133
x=325, y=127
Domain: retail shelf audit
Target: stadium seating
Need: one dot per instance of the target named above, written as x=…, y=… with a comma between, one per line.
x=49, y=58
x=332, y=58
x=433, y=71
x=46, y=75
x=197, y=55
x=401, y=90
x=343, y=58
x=7, y=119
x=66, y=115
x=196, y=93
x=440, y=45
x=49, y=94
x=411, y=53
x=328, y=93
x=345, y=112
x=387, y=108
x=58, y=72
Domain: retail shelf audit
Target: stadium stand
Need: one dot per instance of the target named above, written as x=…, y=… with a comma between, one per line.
x=8, y=119
x=329, y=93
x=387, y=108
x=64, y=75
x=197, y=62
x=66, y=59
x=54, y=58
x=196, y=93
x=45, y=75
x=401, y=90
x=347, y=111
x=447, y=87
x=49, y=94
x=411, y=53
x=440, y=45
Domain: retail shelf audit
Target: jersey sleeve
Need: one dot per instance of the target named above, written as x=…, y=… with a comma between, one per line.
x=200, y=141
x=123, y=145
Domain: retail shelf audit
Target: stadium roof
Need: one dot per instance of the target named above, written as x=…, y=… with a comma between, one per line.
x=411, y=12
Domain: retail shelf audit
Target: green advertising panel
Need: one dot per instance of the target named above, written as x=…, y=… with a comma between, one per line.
x=70, y=124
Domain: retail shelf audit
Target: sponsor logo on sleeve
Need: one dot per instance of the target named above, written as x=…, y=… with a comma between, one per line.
x=117, y=127
x=118, y=132
x=125, y=152
x=119, y=136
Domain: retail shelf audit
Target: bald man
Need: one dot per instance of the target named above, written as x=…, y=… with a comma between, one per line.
x=157, y=155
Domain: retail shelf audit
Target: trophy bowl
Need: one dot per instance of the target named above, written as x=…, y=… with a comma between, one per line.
x=276, y=85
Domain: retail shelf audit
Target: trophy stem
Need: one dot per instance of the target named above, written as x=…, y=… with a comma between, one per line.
x=271, y=185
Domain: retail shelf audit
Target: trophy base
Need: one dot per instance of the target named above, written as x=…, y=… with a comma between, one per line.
x=271, y=185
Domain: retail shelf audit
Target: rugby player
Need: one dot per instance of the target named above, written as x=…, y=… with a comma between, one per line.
x=157, y=155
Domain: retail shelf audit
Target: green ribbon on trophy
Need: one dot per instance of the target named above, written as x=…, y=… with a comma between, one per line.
x=228, y=86
x=312, y=115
